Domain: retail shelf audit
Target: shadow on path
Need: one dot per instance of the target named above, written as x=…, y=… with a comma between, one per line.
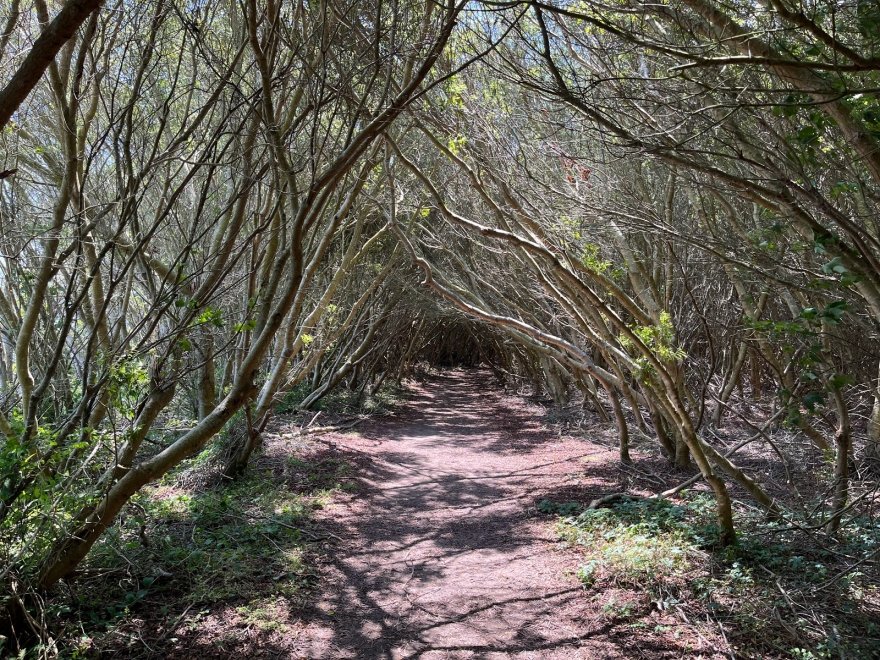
x=441, y=553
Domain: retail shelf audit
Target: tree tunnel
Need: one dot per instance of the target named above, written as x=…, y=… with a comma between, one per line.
x=204, y=220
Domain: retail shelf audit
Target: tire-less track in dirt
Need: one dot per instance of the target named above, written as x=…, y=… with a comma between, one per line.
x=442, y=553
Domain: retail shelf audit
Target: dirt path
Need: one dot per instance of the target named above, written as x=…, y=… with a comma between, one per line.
x=443, y=554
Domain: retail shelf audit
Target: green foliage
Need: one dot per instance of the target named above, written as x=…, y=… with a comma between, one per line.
x=15, y=458
x=456, y=144
x=245, y=326
x=800, y=339
x=559, y=508
x=644, y=543
x=455, y=89
x=40, y=478
x=126, y=382
x=591, y=258
x=865, y=106
x=248, y=541
x=212, y=316
x=292, y=398
x=659, y=339
x=238, y=537
x=842, y=188
x=342, y=400
x=769, y=238
x=618, y=610
x=669, y=549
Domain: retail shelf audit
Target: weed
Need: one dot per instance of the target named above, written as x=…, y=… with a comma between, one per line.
x=637, y=543
x=266, y=614
x=344, y=401
x=246, y=540
x=560, y=508
x=615, y=609
x=770, y=590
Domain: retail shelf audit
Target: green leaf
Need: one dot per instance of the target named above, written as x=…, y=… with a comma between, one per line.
x=839, y=381
x=842, y=187
x=813, y=399
x=834, y=312
x=807, y=136
x=849, y=278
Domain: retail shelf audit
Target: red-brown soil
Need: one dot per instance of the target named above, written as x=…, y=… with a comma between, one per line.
x=443, y=554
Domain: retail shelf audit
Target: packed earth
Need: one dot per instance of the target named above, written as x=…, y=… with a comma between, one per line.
x=441, y=552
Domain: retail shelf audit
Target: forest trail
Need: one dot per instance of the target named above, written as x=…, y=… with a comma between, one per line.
x=442, y=553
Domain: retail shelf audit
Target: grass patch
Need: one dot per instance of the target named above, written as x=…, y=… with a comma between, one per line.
x=178, y=553
x=265, y=614
x=772, y=593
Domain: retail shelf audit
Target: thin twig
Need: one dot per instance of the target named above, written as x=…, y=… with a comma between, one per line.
x=848, y=569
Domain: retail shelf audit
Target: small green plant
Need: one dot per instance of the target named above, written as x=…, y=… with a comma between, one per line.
x=343, y=400
x=186, y=546
x=669, y=550
x=659, y=339
x=618, y=610
x=559, y=508
x=641, y=543
x=806, y=654
x=592, y=259
x=266, y=614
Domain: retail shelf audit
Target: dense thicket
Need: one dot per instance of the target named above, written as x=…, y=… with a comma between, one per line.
x=205, y=206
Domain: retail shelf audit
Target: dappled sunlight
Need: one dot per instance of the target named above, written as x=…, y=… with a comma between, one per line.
x=443, y=553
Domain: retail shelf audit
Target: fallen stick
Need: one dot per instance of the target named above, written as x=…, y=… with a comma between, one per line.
x=342, y=426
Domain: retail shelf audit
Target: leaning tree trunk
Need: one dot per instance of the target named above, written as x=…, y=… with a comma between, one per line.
x=620, y=420
x=843, y=444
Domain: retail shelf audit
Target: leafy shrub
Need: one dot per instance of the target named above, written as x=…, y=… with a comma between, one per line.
x=637, y=542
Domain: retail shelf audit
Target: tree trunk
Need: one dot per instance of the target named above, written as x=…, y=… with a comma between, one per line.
x=730, y=383
x=843, y=443
x=873, y=448
x=42, y=53
x=622, y=429
x=208, y=379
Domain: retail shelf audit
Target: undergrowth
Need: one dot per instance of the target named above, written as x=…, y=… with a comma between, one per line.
x=779, y=592
x=179, y=552
x=342, y=400
x=637, y=543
